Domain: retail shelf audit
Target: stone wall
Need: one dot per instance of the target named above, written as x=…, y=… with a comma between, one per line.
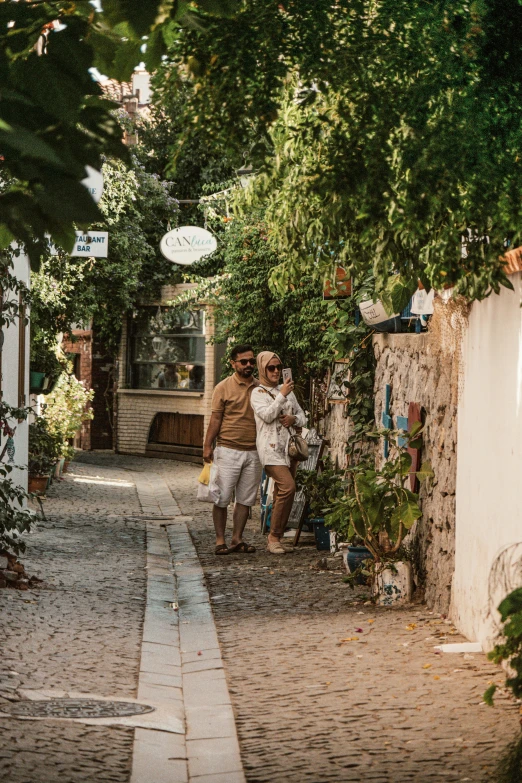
x=421, y=368
x=336, y=428
x=418, y=371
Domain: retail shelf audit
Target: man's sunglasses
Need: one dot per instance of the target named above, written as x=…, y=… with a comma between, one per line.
x=244, y=362
x=274, y=367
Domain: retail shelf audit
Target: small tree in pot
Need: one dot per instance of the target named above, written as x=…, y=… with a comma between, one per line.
x=379, y=509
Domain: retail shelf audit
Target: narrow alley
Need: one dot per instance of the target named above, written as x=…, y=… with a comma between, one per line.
x=306, y=680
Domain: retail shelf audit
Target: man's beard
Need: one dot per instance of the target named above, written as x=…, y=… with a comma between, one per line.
x=246, y=372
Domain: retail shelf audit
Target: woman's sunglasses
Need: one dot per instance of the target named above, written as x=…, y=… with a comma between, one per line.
x=244, y=362
x=274, y=367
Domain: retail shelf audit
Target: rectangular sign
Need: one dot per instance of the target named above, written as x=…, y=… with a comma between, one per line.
x=91, y=243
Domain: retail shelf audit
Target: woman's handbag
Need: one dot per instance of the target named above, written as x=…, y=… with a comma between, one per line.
x=297, y=448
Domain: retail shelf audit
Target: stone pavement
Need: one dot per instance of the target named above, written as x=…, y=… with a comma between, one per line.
x=80, y=631
x=324, y=687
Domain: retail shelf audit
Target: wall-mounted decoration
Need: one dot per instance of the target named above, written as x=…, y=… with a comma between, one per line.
x=386, y=418
x=340, y=288
x=338, y=388
x=414, y=414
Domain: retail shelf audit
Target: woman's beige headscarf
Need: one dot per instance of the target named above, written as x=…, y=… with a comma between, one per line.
x=263, y=360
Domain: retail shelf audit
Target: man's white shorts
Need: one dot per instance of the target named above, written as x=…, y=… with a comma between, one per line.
x=240, y=471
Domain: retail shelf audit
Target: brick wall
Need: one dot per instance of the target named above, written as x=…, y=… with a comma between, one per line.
x=82, y=347
x=137, y=408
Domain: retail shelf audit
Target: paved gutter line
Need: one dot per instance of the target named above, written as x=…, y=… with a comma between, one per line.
x=181, y=658
x=211, y=737
x=160, y=756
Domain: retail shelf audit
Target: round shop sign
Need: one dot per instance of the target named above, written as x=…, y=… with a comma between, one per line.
x=187, y=244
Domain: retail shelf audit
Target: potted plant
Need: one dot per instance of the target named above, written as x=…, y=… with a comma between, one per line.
x=43, y=454
x=66, y=409
x=320, y=489
x=69, y=453
x=379, y=510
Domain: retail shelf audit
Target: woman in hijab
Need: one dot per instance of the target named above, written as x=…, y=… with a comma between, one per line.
x=276, y=410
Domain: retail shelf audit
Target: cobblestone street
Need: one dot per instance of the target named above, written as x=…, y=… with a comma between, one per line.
x=324, y=686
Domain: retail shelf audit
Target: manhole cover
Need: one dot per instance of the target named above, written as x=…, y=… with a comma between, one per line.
x=75, y=708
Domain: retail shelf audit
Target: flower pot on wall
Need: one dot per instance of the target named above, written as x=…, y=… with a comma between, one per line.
x=392, y=583
x=374, y=315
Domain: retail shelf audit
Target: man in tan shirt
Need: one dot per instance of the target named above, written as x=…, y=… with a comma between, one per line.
x=232, y=424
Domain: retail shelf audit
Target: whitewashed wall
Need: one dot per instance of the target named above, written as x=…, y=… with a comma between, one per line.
x=489, y=464
x=10, y=379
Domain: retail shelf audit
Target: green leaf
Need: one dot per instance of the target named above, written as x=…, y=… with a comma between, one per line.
x=6, y=237
x=425, y=472
x=415, y=428
x=406, y=513
x=424, y=280
x=399, y=292
x=28, y=144
x=511, y=604
x=128, y=55
x=141, y=15
x=155, y=50
x=488, y=695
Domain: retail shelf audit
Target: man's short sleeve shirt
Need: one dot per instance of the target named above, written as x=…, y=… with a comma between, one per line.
x=238, y=427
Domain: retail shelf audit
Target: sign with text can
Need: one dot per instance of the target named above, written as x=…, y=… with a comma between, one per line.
x=187, y=244
x=91, y=243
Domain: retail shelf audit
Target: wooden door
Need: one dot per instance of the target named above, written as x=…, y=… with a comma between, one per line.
x=177, y=429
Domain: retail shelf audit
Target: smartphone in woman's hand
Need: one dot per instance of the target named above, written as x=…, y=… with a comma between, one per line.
x=287, y=374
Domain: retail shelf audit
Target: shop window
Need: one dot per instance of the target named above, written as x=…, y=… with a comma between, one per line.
x=168, y=349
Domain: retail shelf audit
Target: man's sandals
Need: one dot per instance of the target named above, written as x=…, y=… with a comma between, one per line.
x=241, y=548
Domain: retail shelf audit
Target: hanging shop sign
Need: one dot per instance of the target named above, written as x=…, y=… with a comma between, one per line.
x=187, y=244
x=94, y=183
x=88, y=244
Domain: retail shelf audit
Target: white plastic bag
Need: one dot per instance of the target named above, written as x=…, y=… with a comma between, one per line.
x=209, y=493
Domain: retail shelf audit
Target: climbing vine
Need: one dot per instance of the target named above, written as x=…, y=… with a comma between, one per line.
x=350, y=337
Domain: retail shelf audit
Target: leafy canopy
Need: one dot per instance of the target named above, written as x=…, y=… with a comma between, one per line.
x=392, y=128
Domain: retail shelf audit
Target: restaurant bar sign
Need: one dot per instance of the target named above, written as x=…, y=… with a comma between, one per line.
x=187, y=244
x=89, y=244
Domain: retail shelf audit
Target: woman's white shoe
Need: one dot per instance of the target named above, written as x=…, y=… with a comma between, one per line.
x=276, y=548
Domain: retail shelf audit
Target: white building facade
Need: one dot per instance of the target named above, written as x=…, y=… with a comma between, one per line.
x=14, y=371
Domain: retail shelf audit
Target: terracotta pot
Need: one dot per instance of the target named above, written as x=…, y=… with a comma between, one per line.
x=66, y=466
x=38, y=483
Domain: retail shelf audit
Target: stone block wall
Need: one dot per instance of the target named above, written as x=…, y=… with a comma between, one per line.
x=418, y=371
x=336, y=428
x=421, y=368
